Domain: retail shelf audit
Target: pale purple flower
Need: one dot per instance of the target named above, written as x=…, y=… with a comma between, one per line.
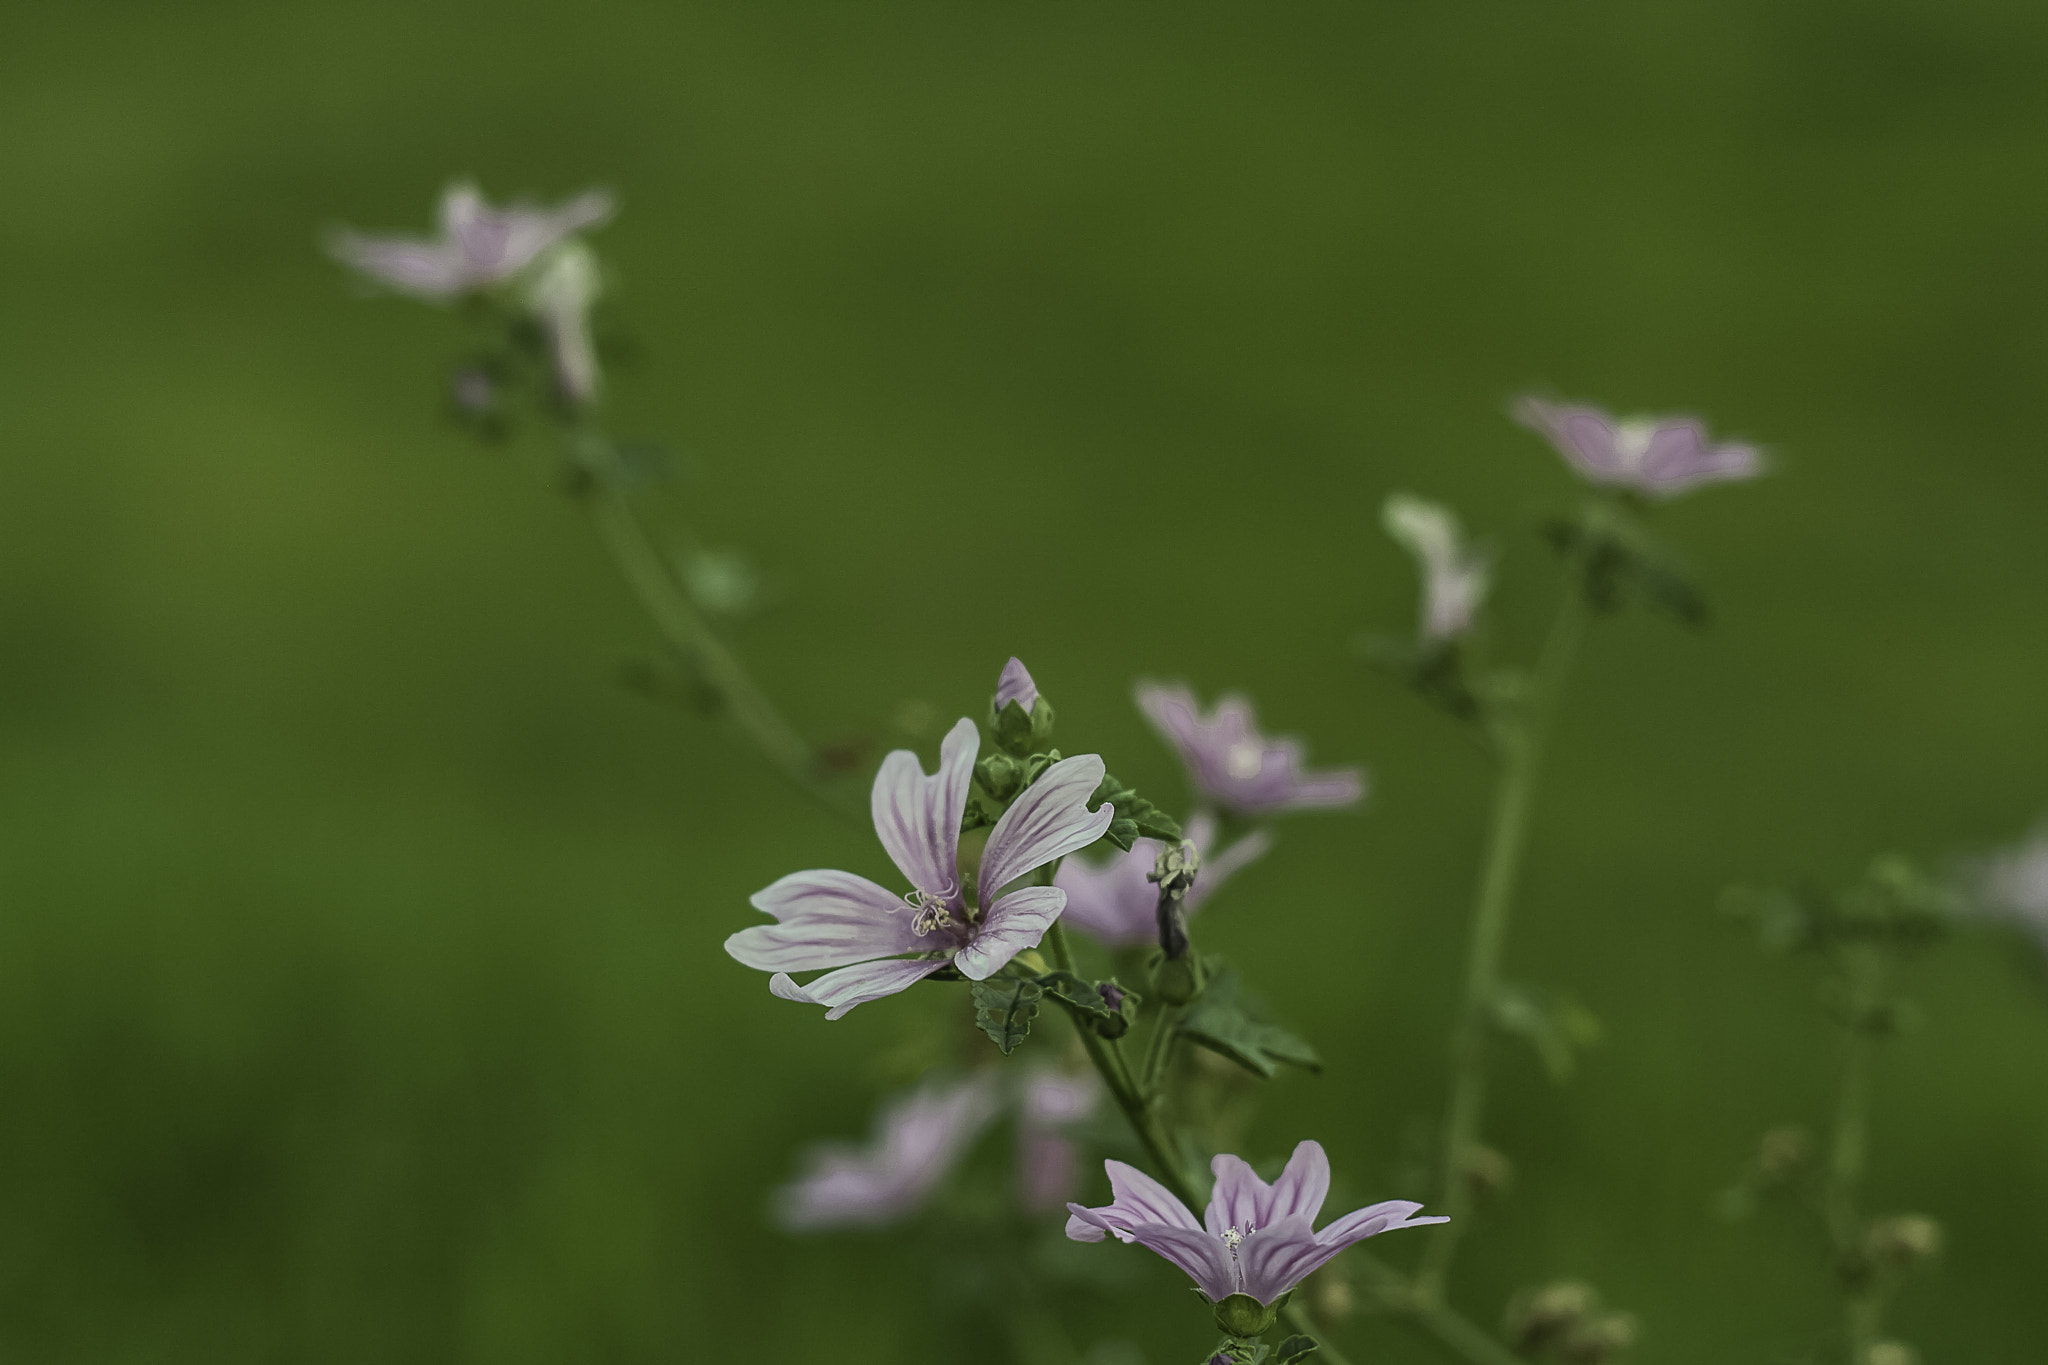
x=879, y=942
x=559, y=298
x=918, y=1140
x=1114, y=903
x=1048, y=1161
x=479, y=246
x=1454, y=576
x=1235, y=766
x=1255, y=1238
x=1016, y=686
x=2012, y=885
x=1657, y=456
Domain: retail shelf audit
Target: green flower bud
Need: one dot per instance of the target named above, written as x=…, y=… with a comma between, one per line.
x=1178, y=980
x=1241, y=1315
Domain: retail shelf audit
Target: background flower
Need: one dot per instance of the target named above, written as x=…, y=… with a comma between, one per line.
x=1115, y=903
x=1232, y=764
x=1658, y=456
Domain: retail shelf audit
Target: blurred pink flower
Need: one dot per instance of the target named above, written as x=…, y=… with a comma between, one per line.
x=1233, y=765
x=1660, y=457
x=1255, y=1239
x=2012, y=885
x=479, y=246
x=1048, y=1161
x=880, y=943
x=917, y=1141
x=1114, y=903
x=1454, y=576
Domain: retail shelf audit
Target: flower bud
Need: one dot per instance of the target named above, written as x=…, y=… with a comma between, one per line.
x=1904, y=1241
x=1241, y=1315
x=1178, y=980
x=1019, y=716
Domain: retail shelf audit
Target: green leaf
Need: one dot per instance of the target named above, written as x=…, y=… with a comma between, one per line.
x=1219, y=1022
x=1556, y=1026
x=1300, y=1346
x=1092, y=1000
x=1004, y=1009
x=1135, y=816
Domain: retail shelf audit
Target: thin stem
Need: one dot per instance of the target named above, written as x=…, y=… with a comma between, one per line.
x=1109, y=1062
x=1522, y=739
x=1848, y=1154
x=1159, y=1049
x=683, y=626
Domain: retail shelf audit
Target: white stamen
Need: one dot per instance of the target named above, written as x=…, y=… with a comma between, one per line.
x=1632, y=442
x=933, y=913
x=1244, y=760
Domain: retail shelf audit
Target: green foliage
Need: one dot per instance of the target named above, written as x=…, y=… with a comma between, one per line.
x=1106, y=1006
x=1222, y=1023
x=1298, y=1347
x=1556, y=1026
x=1004, y=1009
x=1895, y=906
x=1136, y=817
x=1619, y=560
x=1019, y=733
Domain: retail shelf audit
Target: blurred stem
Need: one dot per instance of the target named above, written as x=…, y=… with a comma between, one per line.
x=1521, y=740
x=1159, y=1049
x=1109, y=1063
x=683, y=626
x=1863, y=972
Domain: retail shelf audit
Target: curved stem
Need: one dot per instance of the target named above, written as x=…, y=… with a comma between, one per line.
x=1521, y=746
x=1863, y=1304
x=683, y=626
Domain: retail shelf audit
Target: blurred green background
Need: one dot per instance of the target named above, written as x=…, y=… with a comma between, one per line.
x=361, y=995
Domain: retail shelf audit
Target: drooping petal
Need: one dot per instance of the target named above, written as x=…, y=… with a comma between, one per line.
x=1275, y=1259
x=1239, y=1197
x=1016, y=686
x=1301, y=1188
x=1015, y=922
x=1204, y=1259
x=918, y=817
x=1050, y=820
x=1136, y=1198
x=840, y=991
x=828, y=919
x=1360, y=1224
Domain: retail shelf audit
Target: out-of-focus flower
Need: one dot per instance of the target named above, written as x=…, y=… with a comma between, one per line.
x=1255, y=1239
x=559, y=298
x=1048, y=1161
x=1117, y=904
x=1660, y=457
x=479, y=245
x=1454, y=576
x=880, y=943
x=1233, y=765
x=917, y=1141
x=2012, y=885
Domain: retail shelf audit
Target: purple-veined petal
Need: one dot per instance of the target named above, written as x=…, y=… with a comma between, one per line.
x=840, y=991
x=1239, y=1197
x=828, y=919
x=1302, y=1186
x=1360, y=1224
x=1275, y=1259
x=1016, y=686
x=1135, y=1198
x=918, y=817
x=1112, y=901
x=1015, y=922
x=1050, y=820
x=1204, y=1259
x=1085, y=1225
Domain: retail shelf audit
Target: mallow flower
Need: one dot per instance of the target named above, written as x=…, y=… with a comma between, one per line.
x=918, y=1140
x=1255, y=1239
x=1659, y=457
x=1048, y=1161
x=479, y=245
x=2012, y=885
x=878, y=942
x=1454, y=575
x=1233, y=765
x=1117, y=904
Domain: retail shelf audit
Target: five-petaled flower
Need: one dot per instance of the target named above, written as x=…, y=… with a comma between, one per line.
x=1454, y=576
x=879, y=942
x=479, y=246
x=1233, y=765
x=1659, y=457
x=1255, y=1238
x=1117, y=903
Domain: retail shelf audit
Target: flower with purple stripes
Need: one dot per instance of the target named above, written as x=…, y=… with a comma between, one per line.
x=1659, y=457
x=872, y=941
x=1235, y=766
x=1254, y=1239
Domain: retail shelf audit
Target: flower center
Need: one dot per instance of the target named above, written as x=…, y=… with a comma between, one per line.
x=1244, y=760
x=933, y=912
x=1632, y=442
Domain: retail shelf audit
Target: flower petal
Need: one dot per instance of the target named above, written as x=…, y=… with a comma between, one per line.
x=918, y=1140
x=1016, y=686
x=1050, y=820
x=1301, y=1188
x=1136, y=1198
x=1014, y=923
x=1112, y=901
x=858, y=984
x=1275, y=1259
x=1360, y=1224
x=828, y=919
x=1239, y=1199
x=1202, y=1257
x=918, y=817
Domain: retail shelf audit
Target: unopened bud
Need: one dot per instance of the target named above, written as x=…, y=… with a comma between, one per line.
x=1021, y=718
x=1903, y=1241
x=1178, y=980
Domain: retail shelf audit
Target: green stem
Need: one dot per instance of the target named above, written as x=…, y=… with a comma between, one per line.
x=683, y=626
x=1521, y=739
x=1159, y=1049
x=1848, y=1154
x=1109, y=1063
